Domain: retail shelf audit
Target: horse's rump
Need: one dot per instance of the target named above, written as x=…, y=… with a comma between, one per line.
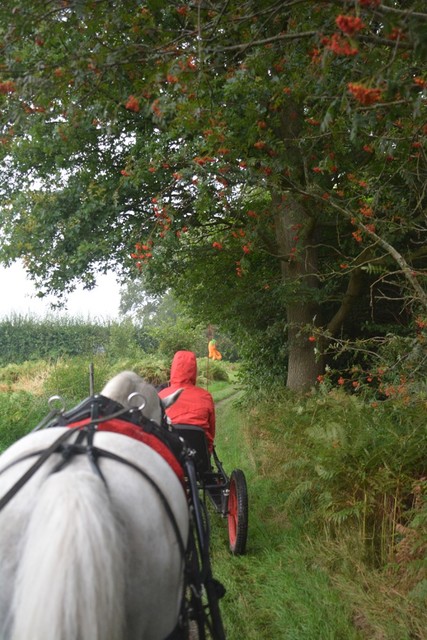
x=85, y=554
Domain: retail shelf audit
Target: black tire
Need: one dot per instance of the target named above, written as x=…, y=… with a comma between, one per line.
x=237, y=513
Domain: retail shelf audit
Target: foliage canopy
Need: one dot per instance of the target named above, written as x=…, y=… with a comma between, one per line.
x=266, y=160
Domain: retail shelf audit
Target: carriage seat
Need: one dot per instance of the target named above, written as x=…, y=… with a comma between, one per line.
x=194, y=437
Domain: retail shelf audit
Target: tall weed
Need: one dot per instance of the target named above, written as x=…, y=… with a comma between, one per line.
x=351, y=464
x=278, y=589
x=352, y=471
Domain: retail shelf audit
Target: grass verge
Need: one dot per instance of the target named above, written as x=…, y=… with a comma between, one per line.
x=297, y=581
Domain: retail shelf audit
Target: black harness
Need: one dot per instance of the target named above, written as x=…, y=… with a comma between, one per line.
x=99, y=409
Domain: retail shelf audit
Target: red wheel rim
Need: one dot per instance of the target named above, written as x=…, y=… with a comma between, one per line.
x=232, y=515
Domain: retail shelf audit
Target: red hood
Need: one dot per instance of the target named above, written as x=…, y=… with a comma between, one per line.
x=183, y=368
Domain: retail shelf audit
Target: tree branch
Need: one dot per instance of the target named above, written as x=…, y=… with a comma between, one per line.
x=354, y=289
x=397, y=257
x=280, y=36
x=382, y=9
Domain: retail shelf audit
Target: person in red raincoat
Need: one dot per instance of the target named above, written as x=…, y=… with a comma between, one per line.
x=195, y=405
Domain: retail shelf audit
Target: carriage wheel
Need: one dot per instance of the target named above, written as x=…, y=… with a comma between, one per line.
x=238, y=512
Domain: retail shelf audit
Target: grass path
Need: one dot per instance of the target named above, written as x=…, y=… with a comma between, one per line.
x=276, y=591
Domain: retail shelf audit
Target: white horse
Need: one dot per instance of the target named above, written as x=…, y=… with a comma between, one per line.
x=81, y=559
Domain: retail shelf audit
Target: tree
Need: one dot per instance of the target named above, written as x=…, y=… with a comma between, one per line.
x=163, y=320
x=274, y=146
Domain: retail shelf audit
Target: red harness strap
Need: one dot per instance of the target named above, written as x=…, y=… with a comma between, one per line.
x=125, y=428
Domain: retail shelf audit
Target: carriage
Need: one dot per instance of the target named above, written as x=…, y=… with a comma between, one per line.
x=81, y=440
x=228, y=494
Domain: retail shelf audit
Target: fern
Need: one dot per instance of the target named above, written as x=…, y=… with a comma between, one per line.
x=322, y=472
x=343, y=515
x=300, y=491
x=374, y=269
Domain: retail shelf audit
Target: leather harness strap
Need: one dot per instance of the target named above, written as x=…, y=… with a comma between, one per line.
x=44, y=455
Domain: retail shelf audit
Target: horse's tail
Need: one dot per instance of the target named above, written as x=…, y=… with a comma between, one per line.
x=70, y=580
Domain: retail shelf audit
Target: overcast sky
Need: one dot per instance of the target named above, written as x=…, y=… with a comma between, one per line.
x=17, y=295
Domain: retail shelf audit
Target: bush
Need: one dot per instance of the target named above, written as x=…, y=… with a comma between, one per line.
x=70, y=378
x=210, y=370
x=152, y=369
x=345, y=463
x=20, y=412
x=123, y=341
x=25, y=338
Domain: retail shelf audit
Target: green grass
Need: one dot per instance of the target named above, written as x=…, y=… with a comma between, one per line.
x=296, y=580
x=222, y=390
x=277, y=590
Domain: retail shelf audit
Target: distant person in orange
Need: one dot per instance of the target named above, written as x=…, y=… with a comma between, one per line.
x=195, y=406
x=214, y=354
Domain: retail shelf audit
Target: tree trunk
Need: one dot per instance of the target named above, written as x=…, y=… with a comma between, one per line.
x=295, y=230
x=298, y=255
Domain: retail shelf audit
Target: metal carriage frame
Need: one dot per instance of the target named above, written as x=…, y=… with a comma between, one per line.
x=206, y=478
x=228, y=494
